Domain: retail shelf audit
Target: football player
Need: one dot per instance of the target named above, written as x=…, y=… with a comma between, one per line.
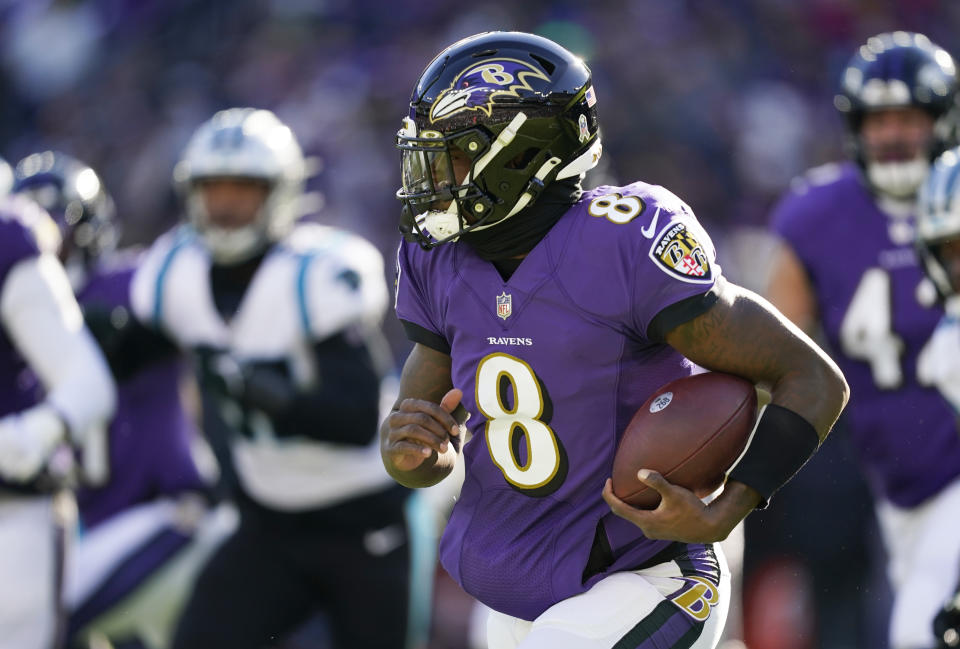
x=938, y=242
x=144, y=523
x=543, y=316
x=56, y=392
x=283, y=319
x=848, y=267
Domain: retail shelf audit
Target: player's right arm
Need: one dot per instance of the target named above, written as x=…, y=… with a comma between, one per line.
x=40, y=315
x=790, y=290
x=420, y=438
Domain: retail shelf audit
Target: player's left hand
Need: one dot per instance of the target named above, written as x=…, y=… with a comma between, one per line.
x=680, y=516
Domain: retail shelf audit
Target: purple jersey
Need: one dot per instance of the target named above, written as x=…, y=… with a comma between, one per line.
x=862, y=266
x=150, y=433
x=19, y=241
x=553, y=363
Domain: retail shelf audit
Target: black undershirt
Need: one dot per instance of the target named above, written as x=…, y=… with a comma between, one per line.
x=507, y=267
x=229, y=284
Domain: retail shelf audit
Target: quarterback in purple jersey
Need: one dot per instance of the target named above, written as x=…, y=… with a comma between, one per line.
x=55, y=389
x=848, y=266
x=543, y=316
x=133, y=524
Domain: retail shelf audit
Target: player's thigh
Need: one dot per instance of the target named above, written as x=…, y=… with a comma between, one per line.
x=29, y=556
x=671, y=604
x=923, y=544
x=370, y=572
x=246, y=593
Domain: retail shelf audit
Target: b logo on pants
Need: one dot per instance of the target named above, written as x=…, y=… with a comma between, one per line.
x=697, y=598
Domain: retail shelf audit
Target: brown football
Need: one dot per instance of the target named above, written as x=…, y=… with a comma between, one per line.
x=690, y=431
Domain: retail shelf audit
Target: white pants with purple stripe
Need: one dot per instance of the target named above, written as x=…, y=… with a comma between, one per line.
x=923, y=544
x=667, y=605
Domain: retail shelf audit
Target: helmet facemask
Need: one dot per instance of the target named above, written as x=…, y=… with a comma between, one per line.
x=230, y=244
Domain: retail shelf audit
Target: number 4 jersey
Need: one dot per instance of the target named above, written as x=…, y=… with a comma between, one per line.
x=862, y=266
x=553, y=362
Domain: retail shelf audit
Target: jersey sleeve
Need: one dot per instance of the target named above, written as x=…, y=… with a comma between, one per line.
x=412, y=302
x=26, y=231
x=676, y=272
x=343, y=288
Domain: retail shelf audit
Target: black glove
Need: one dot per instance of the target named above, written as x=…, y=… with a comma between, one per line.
x=267, y=386
x=946, y=625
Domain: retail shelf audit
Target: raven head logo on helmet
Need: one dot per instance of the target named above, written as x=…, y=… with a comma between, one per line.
x=476, y=87
x=899, y=70
x=493, y=120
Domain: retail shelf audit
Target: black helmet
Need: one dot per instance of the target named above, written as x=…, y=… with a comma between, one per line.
x=519, y=106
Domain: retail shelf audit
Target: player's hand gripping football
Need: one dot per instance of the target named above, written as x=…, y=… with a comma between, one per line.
x=420, y=429
x=681, y=515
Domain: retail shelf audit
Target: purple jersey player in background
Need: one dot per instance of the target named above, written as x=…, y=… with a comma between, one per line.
x=543, y=316
x=145, y=518
x=55, y=389
x=848, y=266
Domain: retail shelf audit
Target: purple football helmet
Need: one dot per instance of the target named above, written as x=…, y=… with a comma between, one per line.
x=520, y=107
x=73, y=194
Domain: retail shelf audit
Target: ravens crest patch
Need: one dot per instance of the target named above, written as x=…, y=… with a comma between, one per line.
x=678, y=253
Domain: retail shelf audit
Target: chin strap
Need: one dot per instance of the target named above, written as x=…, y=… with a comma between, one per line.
x=534, y=187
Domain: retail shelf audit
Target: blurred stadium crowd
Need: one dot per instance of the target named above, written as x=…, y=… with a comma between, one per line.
x=722, y=102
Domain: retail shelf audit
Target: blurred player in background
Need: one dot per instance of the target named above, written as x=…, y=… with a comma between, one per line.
x=146, y=524
x=56, y=390
x=938, y=242
x=847, y=266
x=284, y=321
x=552, y=313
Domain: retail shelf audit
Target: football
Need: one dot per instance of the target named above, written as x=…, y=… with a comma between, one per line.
x=691, y=431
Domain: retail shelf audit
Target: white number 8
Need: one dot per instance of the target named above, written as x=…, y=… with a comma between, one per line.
x=503, y=423
x=616, y=208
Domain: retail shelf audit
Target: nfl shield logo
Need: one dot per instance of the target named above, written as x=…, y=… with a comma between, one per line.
x=504, y=305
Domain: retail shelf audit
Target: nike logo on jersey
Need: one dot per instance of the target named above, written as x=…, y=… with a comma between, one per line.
x=384, y=541
x=651, y=228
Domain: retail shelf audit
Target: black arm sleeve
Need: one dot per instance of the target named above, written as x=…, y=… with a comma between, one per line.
x=344, y=405
x=128, y=345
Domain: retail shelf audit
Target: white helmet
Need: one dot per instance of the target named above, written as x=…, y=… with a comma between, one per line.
x=243, y=143
x=938, y=217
